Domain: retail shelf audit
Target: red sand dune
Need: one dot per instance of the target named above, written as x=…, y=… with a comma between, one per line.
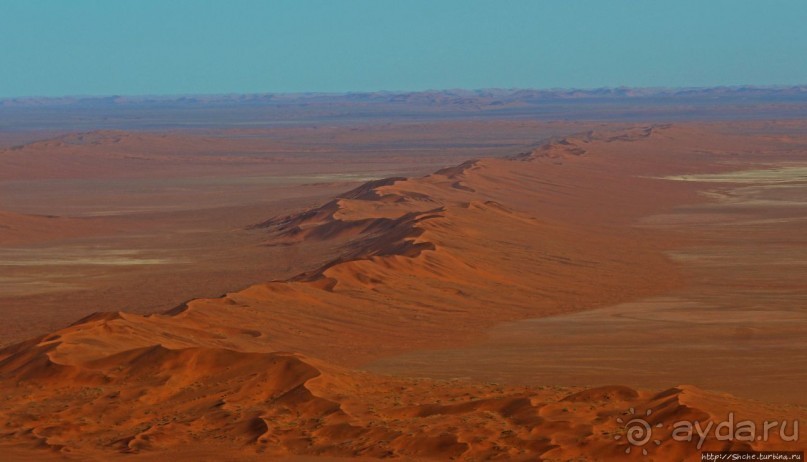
x=426, y=262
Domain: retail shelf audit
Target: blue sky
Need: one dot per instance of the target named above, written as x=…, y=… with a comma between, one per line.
x=104, y=47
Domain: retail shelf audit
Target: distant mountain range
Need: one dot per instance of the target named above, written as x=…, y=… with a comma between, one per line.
x=476, y=98
x=76, y=113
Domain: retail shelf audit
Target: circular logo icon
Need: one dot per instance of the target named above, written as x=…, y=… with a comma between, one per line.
x=637, y=431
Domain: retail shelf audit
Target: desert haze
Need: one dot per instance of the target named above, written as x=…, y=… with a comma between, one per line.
x=462, y=279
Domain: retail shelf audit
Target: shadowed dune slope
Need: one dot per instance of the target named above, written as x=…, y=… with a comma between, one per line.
x=426, y=262
x=208, y=404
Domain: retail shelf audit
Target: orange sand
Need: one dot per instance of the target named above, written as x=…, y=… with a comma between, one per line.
x=428, y=262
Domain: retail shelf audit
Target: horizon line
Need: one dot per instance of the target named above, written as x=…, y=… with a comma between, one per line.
x=801, y=86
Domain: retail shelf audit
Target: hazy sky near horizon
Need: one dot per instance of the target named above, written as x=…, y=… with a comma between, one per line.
x=101, y=47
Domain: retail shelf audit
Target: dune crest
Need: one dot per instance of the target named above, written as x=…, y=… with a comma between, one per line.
x=424, y=264
x=154, y=399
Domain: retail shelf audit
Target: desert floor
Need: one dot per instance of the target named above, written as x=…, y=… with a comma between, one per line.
x=369, y=291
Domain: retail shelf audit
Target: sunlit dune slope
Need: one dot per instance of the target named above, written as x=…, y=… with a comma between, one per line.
x=206, y=403
x=426, y=262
